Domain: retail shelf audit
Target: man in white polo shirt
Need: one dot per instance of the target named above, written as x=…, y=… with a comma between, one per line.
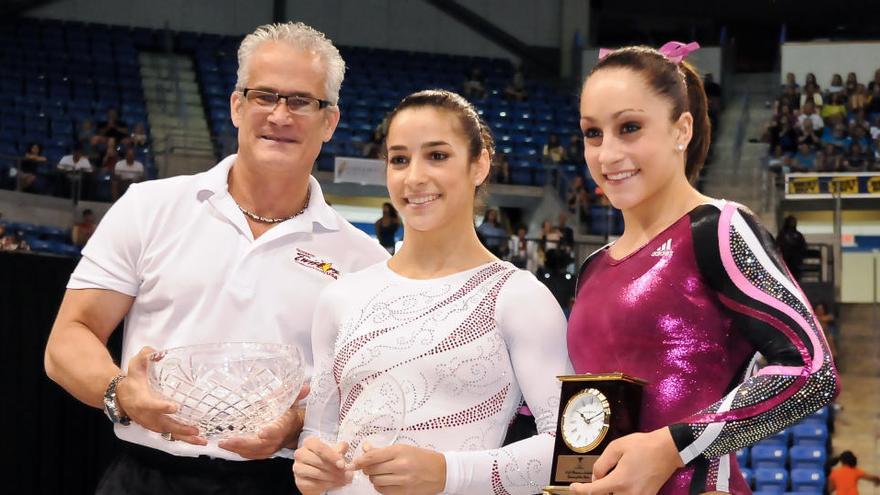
x=126, y=172
x=237, y=253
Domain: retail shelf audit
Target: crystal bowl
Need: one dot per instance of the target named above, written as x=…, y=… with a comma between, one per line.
x=228, y=389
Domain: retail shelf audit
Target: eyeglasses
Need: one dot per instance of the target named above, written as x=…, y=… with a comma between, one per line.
x=298, y=104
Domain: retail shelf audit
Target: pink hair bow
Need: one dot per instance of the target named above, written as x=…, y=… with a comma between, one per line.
x=674, y=51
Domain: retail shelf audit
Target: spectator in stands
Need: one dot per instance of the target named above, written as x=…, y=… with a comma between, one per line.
x=582, y=209
x=808, y=112
x=822, y=163
x=835, y=110
x=76, y=161
x=858, y=99
x=566, y=242
x=27, y=174
x=872, y=107
x=493, y=234
x=860, y=119
x=804, y=159
x=567, y=239
x=110, y=157
x=837, y=136
x=776, y=160
x=139, y=137
x=523, y=252
x=474, y=87
x=808, y=135
x=125, y=173
x=844, y=479
x=833, y=156
x=858, y=134
x=787, y=137
x=856, y=159
x=575, y=185
x=875, y=82
x=386, y=227
x=89, y=140
x=516, y=88
x=82, y=231
x=112, y=127
x=791, y=82
x=835, y=87
x=574, y=152
x=549, y=246
x=14, y=241
x=500, y=169
x=810, y=78
x=553, y=151
x=811, y=93
x=180, y=260
x=373, y=147
x=75, y=171
x=792, y=245
x=874, y=129
x=851, y=84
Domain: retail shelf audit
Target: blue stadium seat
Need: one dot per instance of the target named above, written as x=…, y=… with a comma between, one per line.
x=742, y=457
x=770, y=479
x=778, y=438
x=810, y=434
x=807, y=457
x=769, y=456
x=807, y=480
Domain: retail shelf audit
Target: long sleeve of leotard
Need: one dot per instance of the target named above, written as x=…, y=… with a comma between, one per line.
x=738, y=259
x=534, y=328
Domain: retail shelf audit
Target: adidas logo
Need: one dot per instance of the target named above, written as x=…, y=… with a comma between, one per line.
x=665, y=249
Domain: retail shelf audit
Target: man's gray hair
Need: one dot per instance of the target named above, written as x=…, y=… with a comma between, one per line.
x=299, y=36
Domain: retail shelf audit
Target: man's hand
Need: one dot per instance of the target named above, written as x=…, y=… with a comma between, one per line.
x=138, y=402
x=281, y=433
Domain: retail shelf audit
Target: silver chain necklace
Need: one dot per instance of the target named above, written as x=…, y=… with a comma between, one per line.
x=262, y=219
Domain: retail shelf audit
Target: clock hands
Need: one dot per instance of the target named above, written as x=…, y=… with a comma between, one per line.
x=591, y=418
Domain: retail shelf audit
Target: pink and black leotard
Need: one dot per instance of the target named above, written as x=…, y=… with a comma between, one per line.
x=689, y=312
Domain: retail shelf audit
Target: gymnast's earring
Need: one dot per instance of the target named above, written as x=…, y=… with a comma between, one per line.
x=680, y=147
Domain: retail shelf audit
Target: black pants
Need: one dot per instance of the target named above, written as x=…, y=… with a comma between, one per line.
x=142, y=470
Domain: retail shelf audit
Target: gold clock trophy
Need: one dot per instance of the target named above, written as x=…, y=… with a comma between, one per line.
x=593, y=411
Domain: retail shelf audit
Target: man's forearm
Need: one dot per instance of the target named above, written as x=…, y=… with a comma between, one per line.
x=80, y=363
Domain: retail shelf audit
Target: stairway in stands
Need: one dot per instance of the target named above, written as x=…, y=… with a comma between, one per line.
x=177, y=115
x=738, y=172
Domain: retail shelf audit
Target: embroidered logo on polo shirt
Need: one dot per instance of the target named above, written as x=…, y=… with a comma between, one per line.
x=308, y=259
x=665, y=249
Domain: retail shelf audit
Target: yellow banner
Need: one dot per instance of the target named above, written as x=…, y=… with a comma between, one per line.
x=874, y=185
x=803, y=185
x=844, y=185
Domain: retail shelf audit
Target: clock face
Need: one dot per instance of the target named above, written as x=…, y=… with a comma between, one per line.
x=585, y=420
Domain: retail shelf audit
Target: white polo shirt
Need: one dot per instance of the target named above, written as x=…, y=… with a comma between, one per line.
x=67, y=164
x=184, y=251
x=125, y=171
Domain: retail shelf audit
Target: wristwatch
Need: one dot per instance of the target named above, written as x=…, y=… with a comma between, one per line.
x=111, y=407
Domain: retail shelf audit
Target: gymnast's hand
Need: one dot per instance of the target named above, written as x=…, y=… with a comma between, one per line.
x=281, y=433
x=319, y=467
x=635, y=464
x=400, y=469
